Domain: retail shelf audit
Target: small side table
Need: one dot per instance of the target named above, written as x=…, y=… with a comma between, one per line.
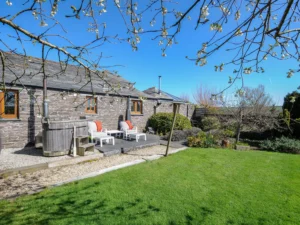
x=118, y=133
x=105, y=138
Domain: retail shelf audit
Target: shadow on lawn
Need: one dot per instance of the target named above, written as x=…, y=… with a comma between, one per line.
x=189, y=219
x=84, y=205
x=69, y=208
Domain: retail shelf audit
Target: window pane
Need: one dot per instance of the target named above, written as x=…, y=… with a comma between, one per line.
x=9, y=102
x=91, y=104
x=139, y=107
x=132, y=106
x=94, y=102
x=88, y=104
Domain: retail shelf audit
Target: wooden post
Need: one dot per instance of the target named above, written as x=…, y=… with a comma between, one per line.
x=171, y=132
x=74, y=143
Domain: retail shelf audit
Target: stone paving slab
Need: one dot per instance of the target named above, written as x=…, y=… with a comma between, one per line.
x=124, y=146
x=174, y=144
x=23, y=170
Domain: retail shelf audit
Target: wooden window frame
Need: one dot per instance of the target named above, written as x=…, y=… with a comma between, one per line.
x=134, y=104
x=89, y=111
x=2, y=105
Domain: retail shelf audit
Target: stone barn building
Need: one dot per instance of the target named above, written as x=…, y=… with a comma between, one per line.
x=71, y=96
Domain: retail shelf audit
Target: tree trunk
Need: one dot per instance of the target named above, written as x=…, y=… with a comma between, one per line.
x=238, y=132
x=239, y=127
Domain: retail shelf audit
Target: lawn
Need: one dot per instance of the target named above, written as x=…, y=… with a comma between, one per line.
x=196, y=186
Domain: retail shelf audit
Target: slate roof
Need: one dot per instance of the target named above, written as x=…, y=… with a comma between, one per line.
x=154, y=92
x=20, y=70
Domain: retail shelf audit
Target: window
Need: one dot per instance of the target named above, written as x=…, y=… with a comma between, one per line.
x=91, y=105
x=136, y=107
x=9, y=104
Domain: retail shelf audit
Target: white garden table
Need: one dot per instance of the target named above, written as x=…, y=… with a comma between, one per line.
x=105, y=138
x=118, y=133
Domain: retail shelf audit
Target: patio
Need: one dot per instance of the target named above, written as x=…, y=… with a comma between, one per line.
x=124, y=146
x=29, y=158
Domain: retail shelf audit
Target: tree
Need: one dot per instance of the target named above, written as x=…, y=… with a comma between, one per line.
x=203, y=97
x=185, y=97
x=291, y=112
x=292, y=104
x=251, y=31
x=251, y=107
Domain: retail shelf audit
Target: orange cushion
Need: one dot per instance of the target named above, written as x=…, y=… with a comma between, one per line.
x=99, y=125
x=129, y=124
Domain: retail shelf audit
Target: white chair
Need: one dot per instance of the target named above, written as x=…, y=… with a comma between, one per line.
x=125, y=128
x=92, y=130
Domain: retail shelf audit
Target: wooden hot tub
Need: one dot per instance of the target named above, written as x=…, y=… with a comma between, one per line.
x=58, y=136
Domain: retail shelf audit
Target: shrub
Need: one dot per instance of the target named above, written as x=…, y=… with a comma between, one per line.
x=180, y=135
x=242, y=143
x=291, y=110
x=221, y=134
x=192, y=132
x=282, y=144
x=203, y=140
x=210, y=123
x=228, y=133
x=257, y=135
x=162, y=122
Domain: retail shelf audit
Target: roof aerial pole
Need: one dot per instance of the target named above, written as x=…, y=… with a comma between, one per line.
x=159, y=84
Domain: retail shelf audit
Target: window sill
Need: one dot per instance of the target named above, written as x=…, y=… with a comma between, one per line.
x=87, y=114
x=9, y=120
x=137, y=114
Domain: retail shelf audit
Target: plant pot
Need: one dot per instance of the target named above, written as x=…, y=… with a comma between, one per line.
x=225, y=143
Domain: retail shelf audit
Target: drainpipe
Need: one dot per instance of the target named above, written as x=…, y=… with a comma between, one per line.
x=1, y=140
x=128, y=111
x=45, y=120
x=45, y=100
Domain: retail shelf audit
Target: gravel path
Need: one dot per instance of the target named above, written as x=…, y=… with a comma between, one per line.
x=13, y=158
x=32, y=182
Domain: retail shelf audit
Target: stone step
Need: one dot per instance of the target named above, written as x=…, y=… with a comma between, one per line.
x=86, y=147
x=110, y=152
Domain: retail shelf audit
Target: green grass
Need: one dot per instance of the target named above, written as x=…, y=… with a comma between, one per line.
x=197, y=186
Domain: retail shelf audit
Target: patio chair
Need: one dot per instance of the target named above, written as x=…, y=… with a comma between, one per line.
x=126, y=129
x=93, y=131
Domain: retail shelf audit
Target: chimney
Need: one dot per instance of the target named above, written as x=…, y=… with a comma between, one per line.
x=159, y=85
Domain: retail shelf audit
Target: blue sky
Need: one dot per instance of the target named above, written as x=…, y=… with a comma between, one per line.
x=179, y=75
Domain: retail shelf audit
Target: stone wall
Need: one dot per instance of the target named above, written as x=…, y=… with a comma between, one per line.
x=65, y=106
